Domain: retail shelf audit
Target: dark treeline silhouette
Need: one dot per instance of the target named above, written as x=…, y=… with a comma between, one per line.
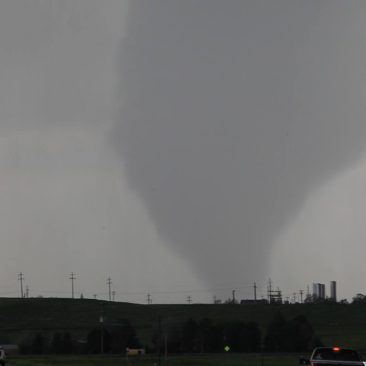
x=296, y=335
x=190, y=336
x=40, y=344
x=359, y=299
x=116, y=338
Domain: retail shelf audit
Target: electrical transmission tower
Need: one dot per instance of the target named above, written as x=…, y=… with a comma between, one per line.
x=109, y=283
x=269, y=290
x=21, y=279
x=72, y=278
x=148, y=299
x=189, y=299
x=274, y=296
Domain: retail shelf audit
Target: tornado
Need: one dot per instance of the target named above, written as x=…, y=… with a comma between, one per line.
x=232, y=114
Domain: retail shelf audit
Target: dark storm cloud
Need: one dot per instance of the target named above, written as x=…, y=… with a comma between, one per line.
x=233, y=113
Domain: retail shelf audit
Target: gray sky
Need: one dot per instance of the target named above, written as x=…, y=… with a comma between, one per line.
x=182, y=147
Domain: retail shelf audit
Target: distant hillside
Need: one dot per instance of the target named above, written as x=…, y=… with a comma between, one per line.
x=21, y=318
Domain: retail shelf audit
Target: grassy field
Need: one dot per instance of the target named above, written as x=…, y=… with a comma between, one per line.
x=20, y=318
x=187, y=360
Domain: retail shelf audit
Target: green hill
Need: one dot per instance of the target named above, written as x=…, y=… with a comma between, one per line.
x=22, y=318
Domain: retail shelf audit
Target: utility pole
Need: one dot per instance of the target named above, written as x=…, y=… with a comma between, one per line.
x=95, y=296
x=148, y=299
x=159, y=339
x=189, y=299
x=255, y=291
x=27, y=291
x=109, y=283
x=72, y=278
x=101, y=320
x=301, y=293
x=113, y=295
x=21, y=279
x=233, y=296
x=166, y=348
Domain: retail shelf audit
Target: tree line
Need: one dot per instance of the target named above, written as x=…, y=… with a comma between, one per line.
x=281, y=335
x=190, y=336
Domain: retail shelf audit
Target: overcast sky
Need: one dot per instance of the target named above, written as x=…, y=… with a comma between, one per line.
x=182, y=147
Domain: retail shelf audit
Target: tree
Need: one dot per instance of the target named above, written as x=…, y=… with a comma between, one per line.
x=210, y=336
x=56, y=343
x=359, y=299
x=167, y=332
x=296, y=335
x=232, y=335
x=250, y=338
x=276, y=331
x=38, y=344
x=67, y=343
x=94, y=341
x=62, y=343
x=123, y=336
x=301, y=333
x=190, y=336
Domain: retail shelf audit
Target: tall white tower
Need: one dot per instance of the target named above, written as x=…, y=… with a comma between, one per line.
x=333, y=290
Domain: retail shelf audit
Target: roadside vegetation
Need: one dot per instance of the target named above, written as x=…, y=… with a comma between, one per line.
x=50, y=326
x=181, y=360
x=191, y=336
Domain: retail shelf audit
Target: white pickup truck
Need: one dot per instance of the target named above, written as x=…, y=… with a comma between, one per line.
x=333, y=356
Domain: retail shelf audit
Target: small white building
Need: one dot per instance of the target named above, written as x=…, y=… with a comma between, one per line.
x=135, y=351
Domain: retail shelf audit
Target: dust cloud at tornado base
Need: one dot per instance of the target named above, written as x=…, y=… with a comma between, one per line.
x=233, y=114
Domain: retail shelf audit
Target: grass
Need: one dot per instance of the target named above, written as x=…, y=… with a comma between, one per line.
x=181, y=360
